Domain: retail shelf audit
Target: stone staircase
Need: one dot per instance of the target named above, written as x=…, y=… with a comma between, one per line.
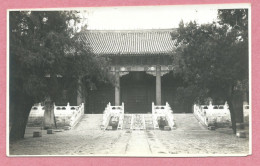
x=140, y=122
x=187, y=122
x=90, y=122
x=127, y=121
x=148, y=121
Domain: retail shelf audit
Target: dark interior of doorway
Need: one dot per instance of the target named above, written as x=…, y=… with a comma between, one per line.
x=138, y=92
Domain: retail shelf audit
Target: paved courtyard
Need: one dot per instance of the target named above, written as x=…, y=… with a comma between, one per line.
x=187, y=139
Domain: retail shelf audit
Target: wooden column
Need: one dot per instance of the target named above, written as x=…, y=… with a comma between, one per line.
x=158, y=85
x=117, y=88
x=80, y=94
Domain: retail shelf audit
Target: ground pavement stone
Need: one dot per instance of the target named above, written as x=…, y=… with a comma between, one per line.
x=87, y=140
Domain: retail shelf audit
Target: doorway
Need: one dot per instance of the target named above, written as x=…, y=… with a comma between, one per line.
x=138, y=92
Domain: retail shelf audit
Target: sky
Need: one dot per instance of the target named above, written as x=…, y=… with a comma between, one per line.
x=146, y=17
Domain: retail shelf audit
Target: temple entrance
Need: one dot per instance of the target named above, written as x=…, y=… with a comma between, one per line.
x=138, y=92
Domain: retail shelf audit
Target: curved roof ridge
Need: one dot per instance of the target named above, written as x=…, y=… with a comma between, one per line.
x=130, y=30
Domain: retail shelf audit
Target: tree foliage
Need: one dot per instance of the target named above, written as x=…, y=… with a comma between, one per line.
x=41, y=44
x=45, y=52
x=214, y=57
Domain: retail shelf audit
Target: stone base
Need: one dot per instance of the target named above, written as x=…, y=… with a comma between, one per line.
x=67, y=127
x=49, y=131
x=167, y=128
x=241, y=134
x=128, y=131
x=212, y=128
x=37, y=134
x=240, y=126
x=48, y=127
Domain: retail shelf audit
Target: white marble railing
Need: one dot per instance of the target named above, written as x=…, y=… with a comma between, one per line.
x=36, y=116
x=213, y=114
x=162, y=111
x=65, y=115
x=37, y=110
x=64, y=110
x=115, y=111
x=77, y=113
x=68, y=115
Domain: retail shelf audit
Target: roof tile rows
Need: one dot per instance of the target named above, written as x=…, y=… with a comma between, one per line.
x=129, y=42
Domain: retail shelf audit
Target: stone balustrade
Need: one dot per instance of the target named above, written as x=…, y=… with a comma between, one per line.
x=64, y=110
x=68, y=115
x=213, y=115
x=162, y=111
x=113, y=111
x=76, y=114
x=36, y=115
x=64, y=115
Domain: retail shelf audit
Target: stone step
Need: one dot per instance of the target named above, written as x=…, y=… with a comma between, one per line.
x=187, y=122
x=127, y=122
x=182, y=121
x=149, y=122
x=138, y=123
x=90, y=122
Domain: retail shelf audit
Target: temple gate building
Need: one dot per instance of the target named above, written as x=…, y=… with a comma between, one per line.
x=144, y=95
x=142, y=65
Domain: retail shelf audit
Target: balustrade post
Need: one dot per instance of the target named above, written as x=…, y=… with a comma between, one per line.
x=210, y=107
x=226, y=106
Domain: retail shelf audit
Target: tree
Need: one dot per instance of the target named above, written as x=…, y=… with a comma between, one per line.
x=43, y=48
x=214, y=57
x=237, y=20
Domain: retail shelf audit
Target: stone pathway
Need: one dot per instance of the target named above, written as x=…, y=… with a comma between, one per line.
x=87, y=140
x=138, y=144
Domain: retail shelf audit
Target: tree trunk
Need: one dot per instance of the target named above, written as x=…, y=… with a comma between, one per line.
x=49, y=121
x=22, y=110
x=232, y=114
x=231, y=108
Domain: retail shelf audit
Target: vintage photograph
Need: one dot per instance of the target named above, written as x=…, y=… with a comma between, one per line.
x=144, y=81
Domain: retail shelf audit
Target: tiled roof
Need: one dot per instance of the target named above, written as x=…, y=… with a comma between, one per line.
x=129, y=42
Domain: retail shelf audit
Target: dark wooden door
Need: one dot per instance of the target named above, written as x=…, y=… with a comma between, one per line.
x=135, y=99
x=137, y=92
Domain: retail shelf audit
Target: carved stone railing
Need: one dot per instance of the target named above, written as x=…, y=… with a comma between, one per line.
x=64, y=115
x=68, y=115
x=64, y=110
x=200, y=113
x=36, y=116
x=213, y=115
x=162, y=111
x=76, y=114
x=113, y=111
x=246, y=114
